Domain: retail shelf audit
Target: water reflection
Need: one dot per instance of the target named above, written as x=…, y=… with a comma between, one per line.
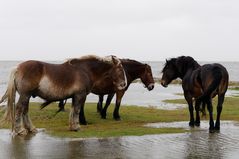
x=198, y=143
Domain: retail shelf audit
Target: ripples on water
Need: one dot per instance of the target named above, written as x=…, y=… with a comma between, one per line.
x=197, y=143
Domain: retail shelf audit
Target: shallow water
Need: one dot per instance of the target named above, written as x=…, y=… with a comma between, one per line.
x=197, y=143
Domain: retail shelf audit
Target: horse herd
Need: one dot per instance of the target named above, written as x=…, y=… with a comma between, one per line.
x=76, y=78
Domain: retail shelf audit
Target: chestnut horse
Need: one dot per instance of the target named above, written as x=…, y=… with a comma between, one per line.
x=53, y=82
x=199, y=82
x=133, y=70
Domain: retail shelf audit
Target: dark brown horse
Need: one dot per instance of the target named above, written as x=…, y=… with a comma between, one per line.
x=133, y=70
x=53, y=82
x=199, y=82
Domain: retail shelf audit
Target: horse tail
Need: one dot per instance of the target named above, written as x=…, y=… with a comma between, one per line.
x=217, y=75
x=10, y=95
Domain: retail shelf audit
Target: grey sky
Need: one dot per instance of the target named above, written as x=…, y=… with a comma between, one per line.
x=138, y=29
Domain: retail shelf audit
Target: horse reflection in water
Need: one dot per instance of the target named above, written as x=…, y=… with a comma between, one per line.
x=53, y=82
x=200, y=82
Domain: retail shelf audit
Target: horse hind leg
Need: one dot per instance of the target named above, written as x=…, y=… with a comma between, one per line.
x=27, y=123
x=197, y=108
x=75, y=112
x=219, y=110
x=210, y=110
x=22, y=102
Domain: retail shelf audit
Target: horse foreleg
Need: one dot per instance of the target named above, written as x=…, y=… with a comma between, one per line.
x=82, y=113
x=219, y=110
x=108, y=101
x=74, y=114
x=210, y=110
x=99, y=104
x=119, y=96
x=197, y=108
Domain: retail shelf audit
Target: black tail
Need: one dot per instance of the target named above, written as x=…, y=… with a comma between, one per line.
x=217, y=75
x=61, y=106
x=46, y=103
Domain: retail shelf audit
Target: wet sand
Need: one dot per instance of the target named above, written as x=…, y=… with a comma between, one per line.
x=197, y=143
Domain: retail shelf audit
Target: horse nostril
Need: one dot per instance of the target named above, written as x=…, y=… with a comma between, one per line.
x=150, y=87
x=123, y=84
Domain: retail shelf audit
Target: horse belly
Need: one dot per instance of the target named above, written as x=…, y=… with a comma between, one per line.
x=49, y=90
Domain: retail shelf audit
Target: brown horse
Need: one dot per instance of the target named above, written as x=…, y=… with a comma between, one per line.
x=199, y=82
x=133, y=70
x=53, y=82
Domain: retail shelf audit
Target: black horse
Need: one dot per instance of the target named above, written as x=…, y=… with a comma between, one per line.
x=199, y=82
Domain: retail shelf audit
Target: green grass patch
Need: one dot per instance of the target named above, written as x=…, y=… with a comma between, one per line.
x=133, y=119
x=230, y=109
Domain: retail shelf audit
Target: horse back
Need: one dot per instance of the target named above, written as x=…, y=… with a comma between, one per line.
x=42, y=79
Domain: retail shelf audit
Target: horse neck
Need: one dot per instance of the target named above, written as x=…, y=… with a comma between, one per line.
x=133, y=69
x=95, y=68
x=189, y=68
x=98, y=68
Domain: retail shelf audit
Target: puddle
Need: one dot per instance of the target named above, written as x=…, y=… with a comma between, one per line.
x=194, y=144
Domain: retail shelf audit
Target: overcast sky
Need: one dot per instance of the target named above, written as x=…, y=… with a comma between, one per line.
x=139, y=29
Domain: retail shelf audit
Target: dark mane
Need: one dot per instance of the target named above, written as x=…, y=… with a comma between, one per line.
x=182, y=64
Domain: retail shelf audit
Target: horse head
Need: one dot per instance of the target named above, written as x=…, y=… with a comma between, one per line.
x=147, y=77
x=170, y=72
x=177, y=67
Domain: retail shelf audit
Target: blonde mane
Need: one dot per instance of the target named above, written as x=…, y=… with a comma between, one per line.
x=107, y=59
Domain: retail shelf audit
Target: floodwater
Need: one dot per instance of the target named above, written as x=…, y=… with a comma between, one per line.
x=197, y=143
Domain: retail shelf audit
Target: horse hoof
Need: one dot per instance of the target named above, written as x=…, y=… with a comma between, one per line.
x=22, y=132
x=197, y=124
x=117, y=119
x=103, y=117
x=33, y=130
x=83, y=123
x=191, y=124
x=211, y=130
x=74, y=128
x=217, y=128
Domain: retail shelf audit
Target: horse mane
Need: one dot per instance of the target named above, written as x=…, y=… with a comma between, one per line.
x=182, y=63
x=106, y=59
x=130, y=61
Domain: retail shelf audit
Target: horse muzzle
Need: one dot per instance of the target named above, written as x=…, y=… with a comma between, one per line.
x=150, y=86
x=122, y=86
x=163, y=83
